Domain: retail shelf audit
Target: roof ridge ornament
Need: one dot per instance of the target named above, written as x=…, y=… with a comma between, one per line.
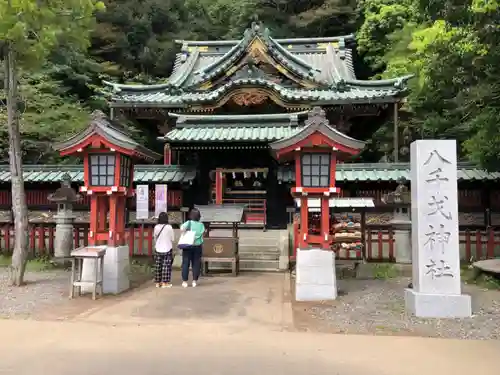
x=98, y=115
x=340, y=85
x=317, y=117
x=66, y=180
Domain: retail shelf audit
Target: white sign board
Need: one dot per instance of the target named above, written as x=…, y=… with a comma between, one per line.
x=434, y=212
x=142, y=202
x=160, y=199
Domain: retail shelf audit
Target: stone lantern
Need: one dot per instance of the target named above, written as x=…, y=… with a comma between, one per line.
x=400, y=199
x=65, y=197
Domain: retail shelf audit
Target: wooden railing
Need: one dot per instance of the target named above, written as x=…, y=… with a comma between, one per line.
x=255, y=209
x=379, y=242
x=39, y=198
x=380, y=245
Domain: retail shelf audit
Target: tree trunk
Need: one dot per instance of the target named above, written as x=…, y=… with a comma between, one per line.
x=20, y=255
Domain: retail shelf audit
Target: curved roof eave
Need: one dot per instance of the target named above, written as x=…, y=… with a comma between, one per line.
x=117, y=87
x=397, y=82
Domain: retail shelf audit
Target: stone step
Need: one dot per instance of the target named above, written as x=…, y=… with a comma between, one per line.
x=258, y=249
x=259, y=256
x=249, y=234
x=259, y=242
x=249, y=265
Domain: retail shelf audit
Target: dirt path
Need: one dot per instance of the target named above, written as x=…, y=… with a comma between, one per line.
x=78, y=348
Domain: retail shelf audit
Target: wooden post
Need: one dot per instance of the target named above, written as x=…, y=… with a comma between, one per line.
x=218, y=186
x=396, y=135
x=298, y=171
x=304, y=222
x=93, y=220
x=325, y=221
x=167, y=154
x=113, y=208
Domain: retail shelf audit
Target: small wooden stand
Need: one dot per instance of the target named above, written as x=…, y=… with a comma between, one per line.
x=78, y=256
x=221, y=249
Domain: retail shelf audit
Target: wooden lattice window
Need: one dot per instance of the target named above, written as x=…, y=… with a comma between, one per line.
x=102, y=169
x=315, y=169
x=124, y=171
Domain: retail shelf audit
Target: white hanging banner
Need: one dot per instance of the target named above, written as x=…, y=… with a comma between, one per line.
x=142, y=202
x=160, y=199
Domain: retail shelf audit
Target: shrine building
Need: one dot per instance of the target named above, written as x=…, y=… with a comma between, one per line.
x=227, y=102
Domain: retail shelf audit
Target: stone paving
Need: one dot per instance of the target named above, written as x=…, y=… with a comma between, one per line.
x=251, y=298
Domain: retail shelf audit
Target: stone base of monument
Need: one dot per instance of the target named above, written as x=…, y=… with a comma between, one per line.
x=177, y=263
x=315, y=278
x=425, y=305
x=116, y=270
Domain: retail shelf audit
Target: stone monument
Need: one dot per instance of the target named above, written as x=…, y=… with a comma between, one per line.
x=65, y=197
x=436, y=289
x=401, y=223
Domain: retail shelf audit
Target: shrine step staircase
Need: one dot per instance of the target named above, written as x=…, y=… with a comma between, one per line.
x=255, y=205
x=259, y=251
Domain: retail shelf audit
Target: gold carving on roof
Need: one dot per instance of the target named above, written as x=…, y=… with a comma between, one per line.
x=250, y=97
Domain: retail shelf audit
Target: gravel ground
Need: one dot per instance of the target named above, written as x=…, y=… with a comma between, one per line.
x=43, y=290
x=378, y=307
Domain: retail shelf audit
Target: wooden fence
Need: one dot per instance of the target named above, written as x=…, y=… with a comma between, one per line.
x=379, y=242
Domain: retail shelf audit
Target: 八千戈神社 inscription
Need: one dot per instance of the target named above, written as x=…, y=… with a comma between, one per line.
x=438, y=269
x=438, y=235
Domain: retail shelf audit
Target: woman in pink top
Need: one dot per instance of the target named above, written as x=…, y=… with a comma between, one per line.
x=164, y=239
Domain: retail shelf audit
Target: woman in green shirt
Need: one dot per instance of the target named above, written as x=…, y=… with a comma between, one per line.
x=191, y=256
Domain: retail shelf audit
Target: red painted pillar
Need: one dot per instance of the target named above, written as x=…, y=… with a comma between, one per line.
x=325, y=221
x=167, y=155
x=304, y=222
x=113, y=208
x=218, y=186
x=93, y=220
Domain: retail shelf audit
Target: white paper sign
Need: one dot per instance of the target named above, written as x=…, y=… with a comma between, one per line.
x=434, y=210
x=142, y=202
x=160, y=199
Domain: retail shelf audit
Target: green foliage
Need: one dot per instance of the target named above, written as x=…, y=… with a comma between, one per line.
x=48, y=115
x=383, y=271
x=40, y=264
x=382, y=18
x=451, y=47
x=33, y=28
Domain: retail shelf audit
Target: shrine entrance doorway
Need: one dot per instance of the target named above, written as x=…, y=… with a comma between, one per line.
x=243, y=186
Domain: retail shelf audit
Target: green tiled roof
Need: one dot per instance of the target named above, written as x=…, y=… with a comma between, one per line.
x=327, y=62
x=346, y=95
x=142, y=174
x=294, y=63
x=102, y=126
x=170, y=173
x=234, y=128
x=388, y=172
x=230, y=134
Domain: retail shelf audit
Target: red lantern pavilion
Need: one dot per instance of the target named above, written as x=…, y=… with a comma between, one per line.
x=316, y=149
x=108, y=155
